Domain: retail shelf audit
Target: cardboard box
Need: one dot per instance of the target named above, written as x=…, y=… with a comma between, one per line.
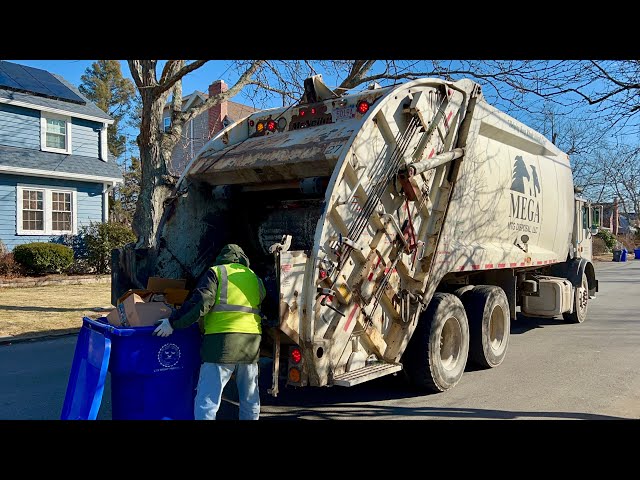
x=133, y=311
x=167, y=290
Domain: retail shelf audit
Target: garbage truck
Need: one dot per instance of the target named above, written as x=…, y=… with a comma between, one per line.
x=399, y=230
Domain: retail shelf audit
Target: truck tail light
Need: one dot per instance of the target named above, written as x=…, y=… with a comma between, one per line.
x=271, y=126
x=296, y=355
x=295, y=367
x=363, y=107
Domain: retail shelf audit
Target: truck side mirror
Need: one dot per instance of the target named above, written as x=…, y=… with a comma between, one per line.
x=594, y=230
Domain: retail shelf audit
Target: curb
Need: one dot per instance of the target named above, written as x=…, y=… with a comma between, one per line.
x=39, y=337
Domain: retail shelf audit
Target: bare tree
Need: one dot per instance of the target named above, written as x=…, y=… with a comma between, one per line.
x=523, y=88
x=155, y=144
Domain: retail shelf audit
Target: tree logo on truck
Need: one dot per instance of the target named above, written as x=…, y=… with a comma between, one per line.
x=525, y=204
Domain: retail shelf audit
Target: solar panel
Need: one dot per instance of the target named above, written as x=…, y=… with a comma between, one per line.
x=35, y=81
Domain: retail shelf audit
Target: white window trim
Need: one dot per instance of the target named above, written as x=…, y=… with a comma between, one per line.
x=48, y=210
x=43, y=132
x=104, y=151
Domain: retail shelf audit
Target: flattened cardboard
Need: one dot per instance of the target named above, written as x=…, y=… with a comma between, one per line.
x=133, y=311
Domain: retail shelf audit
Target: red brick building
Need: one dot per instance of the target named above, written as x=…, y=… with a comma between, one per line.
x=196, y=132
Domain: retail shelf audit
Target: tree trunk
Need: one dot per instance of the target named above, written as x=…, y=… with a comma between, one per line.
x=154, y=186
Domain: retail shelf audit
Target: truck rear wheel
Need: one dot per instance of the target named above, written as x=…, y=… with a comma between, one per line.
x=487, y=309
x=580, y=302
x=437, y=352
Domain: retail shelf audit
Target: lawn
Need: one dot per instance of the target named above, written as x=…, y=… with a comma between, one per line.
x=41, y=310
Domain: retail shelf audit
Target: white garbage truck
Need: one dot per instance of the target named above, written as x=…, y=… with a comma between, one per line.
x=398, y=230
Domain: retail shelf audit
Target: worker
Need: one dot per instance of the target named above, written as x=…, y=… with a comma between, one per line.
x=228, y=296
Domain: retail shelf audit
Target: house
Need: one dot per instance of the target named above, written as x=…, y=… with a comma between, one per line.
x=55, y=170
x=614, y=220
x=197, y=131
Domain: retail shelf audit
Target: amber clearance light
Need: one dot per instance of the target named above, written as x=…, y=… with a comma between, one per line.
x=260, y=127
x=294, y=375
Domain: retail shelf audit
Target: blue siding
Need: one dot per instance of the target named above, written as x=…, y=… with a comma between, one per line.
x=89, y=205
x=85, y=138
x=19, y=127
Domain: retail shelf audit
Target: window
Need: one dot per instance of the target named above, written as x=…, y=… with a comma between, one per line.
x=45, y=211
x=167, y=124
x=33, y=210
x=585, y=217
x=61, y=211
x=55, y=133
x=596, y=216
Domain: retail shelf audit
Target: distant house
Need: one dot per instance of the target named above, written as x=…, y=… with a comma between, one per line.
x=55, y=170
x=616, y=221
x=196, y=132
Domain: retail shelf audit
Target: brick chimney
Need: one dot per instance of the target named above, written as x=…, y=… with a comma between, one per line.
x=217, y=112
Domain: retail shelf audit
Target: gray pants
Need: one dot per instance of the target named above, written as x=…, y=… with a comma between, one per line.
x=214, y=377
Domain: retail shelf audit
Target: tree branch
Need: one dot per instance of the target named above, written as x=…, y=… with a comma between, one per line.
x=169, y=81
x=244, y=79
x=136, y=72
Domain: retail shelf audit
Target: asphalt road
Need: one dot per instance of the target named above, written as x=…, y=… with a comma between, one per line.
x=552, y=370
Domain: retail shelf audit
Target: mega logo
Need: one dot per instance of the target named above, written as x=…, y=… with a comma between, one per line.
x=525, y=187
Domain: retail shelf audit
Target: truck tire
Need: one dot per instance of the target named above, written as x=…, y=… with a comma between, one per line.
x=580, y=303
x=487, y=309
x=437, y=352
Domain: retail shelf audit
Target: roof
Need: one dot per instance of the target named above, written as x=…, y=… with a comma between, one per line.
x=89, y=109
x=57, y=163
x=237, y=111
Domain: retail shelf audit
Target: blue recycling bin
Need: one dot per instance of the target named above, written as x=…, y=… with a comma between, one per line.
x=623, y=255
x=636, y=253
x=152, y=378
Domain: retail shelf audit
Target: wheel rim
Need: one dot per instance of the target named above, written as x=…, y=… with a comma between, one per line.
x=497, y=329
x=583, y=298
x=450, y=343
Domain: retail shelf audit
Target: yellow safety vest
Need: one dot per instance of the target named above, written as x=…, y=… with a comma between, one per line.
x=238, y=298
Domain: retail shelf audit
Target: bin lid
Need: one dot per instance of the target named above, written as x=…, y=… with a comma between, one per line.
x=88, y=374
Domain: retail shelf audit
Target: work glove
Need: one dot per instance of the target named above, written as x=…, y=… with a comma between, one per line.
x=164, y=328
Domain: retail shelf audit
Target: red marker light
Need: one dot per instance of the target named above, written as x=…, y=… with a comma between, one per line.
x=313, y=111
x=271, y=126
x=296, y=356
x=302, y=112
x=251, y=123
x=363, y=107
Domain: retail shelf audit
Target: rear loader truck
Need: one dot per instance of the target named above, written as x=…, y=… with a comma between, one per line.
x=397, y=229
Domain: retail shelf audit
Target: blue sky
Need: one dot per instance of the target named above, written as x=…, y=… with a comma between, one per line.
x=72, y=70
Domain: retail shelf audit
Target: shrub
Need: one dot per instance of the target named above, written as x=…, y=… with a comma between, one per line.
x=99, y=239
x=9, y=267
x=599, y=248
x=40, y=257
x=609, y=239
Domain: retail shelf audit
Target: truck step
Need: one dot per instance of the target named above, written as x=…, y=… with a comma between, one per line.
x=364, y=374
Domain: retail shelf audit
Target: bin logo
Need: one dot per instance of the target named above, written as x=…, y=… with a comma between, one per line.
x=169, y=355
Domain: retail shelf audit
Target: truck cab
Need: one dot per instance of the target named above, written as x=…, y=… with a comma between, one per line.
x=585, y=227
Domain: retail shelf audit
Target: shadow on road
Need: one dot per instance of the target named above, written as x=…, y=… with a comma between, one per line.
x=337, y=403
x=523, y=323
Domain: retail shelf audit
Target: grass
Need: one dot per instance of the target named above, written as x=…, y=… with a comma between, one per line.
x=42, y=310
